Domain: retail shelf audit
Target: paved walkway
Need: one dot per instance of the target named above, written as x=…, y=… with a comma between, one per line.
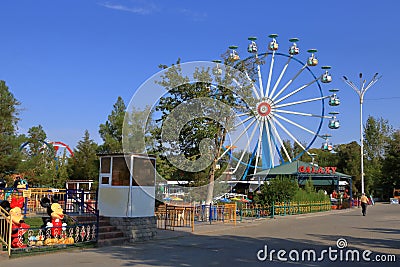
x=226, y=245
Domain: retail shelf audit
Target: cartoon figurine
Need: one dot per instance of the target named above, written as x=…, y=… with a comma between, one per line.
x=19, y=227
x=20, y=184
x=55, y=211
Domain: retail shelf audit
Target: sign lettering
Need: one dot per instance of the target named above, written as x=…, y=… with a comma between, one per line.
x=316, y=169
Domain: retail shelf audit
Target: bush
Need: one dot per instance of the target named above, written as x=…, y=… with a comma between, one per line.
x=278, y=189
x=282, y=189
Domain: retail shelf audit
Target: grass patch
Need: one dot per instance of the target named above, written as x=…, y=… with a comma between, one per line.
x=34, y=222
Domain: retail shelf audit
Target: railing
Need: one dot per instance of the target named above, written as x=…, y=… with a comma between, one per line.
x=5, y=230
x=170, y=216
x=216, y=213
x=32, y=198
x=285, y=208
x=76, y=203
x=80, y=201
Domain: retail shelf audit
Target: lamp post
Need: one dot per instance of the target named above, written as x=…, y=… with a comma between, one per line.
x=361, y=92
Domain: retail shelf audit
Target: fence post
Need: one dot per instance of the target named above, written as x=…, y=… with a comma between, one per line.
x=192, y=219
x=165, y=217
x=234, y=214
x=82, y=201
x=273, y=209
x=210, y=213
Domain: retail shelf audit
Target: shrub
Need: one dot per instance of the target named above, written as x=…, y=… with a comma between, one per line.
x=278, y=189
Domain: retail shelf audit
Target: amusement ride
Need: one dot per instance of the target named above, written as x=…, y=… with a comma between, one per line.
x=290, y=104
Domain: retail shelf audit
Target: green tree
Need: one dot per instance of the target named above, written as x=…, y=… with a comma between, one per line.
x=138, y=124
x=376, y=137
x=324, y=158
x=391, y=164
x=38, y=159
x=85, y=163
x=111, y=130
x=289, y=149
x=349, y=162
x=293, y=150
x=9, y=154
x=188, y=140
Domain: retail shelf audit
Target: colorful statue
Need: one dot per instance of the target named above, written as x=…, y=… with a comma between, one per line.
x=19, y=227
x=56, y=213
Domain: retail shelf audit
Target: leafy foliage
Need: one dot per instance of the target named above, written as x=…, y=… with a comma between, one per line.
x=111, y=130
x=278, y=189
x=187, y=140
x=85, y=164
x=9, y=143
x=391, y=177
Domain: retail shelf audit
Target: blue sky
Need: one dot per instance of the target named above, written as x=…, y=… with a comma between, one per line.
x=67, y=61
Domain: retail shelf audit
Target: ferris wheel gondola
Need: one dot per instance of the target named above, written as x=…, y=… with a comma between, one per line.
x=326, y=146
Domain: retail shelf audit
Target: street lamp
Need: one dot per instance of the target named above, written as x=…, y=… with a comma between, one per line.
x=361, y=91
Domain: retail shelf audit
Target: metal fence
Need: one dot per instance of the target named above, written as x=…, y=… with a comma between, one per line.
x=284, y=208
x=75, y=203
x=171, y=216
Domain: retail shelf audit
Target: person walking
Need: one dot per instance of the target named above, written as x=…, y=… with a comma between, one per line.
x=364, y=203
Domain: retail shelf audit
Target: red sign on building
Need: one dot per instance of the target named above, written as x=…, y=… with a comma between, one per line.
x=316, y=169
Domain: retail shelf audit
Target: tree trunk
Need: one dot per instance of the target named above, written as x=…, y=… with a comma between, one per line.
x=210, y=186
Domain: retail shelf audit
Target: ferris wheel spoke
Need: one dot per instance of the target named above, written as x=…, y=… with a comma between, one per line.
x=242, y=114
x=260, y=82
x=245, y=149
x=258, y=147
x=243, y=122
x=296, y=124
x=297, y=90
x=300, y=102
x=288, y=133
x=271, y=156
x=271, y=67
x=301, y=113
x=280, y=77
x=238, y=138
x=280, y=142
x=289, y=82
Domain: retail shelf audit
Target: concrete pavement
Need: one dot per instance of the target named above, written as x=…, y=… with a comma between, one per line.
x=226, y=245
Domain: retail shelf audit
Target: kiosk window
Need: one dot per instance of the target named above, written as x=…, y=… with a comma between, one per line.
x=105, y=164
x=143, y=172
x=105, y=180
x=120, y=172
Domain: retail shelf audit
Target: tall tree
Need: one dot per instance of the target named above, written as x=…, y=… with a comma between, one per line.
x=85, y=164
x=376, y=137
x=111, y=130
x=349, y=163
x=186, y=141
x=391, y=164
x=9, y=154
x=38, y=159
x=138, y=124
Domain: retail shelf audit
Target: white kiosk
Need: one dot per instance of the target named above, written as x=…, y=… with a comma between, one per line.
x=126, y=185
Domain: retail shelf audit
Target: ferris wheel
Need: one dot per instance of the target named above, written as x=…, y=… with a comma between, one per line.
x=288, y=105
x=61, y=149
x=56, y=148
